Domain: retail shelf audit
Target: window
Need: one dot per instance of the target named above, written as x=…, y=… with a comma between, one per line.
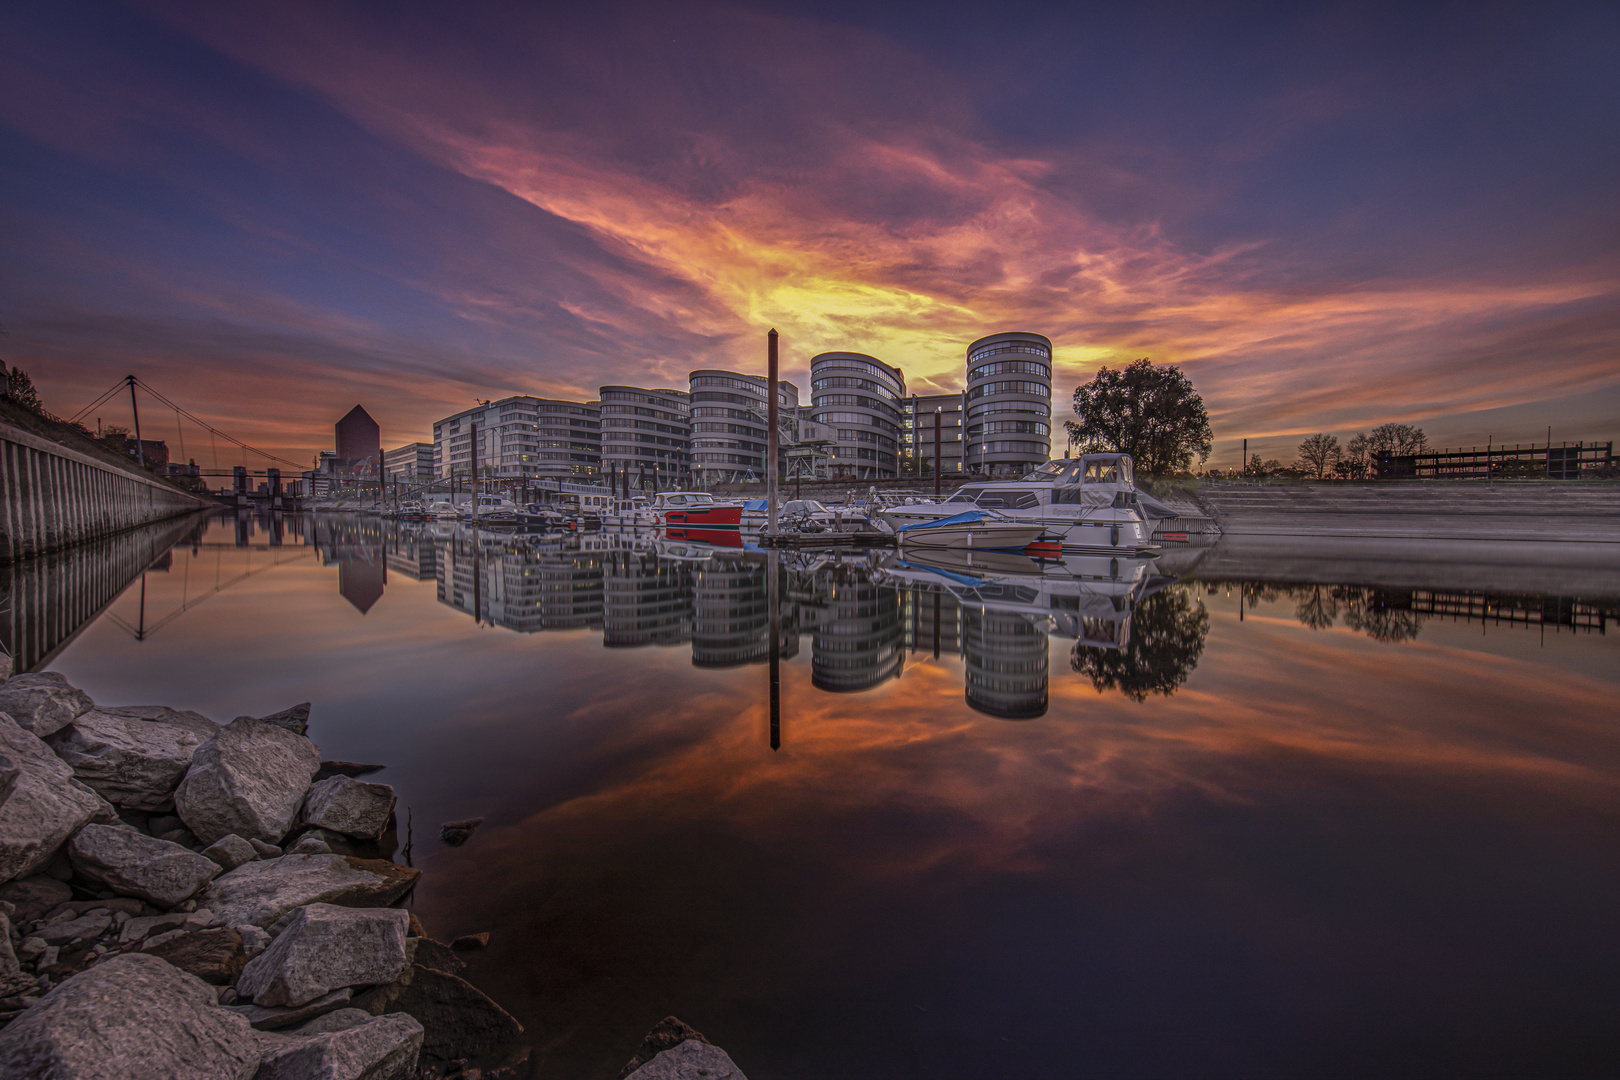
x=1016, y=387
x=1021, y=347
x=1011, y=367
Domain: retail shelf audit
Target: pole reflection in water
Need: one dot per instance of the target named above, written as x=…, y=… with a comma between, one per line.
x=772, y=572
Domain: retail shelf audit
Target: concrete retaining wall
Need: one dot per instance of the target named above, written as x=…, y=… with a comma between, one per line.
x=1537, y=511
x=52, y=497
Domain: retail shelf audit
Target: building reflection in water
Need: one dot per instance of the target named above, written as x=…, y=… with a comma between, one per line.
x=551, y=585
x=731, y=623
x=858, y=642
x=1007, y=665
x=354, y=543
x=646, y=600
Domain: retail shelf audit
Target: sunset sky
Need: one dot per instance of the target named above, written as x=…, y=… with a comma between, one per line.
x=1329, y=216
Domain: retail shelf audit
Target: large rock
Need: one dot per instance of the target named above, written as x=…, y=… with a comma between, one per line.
x=126, y=862
x=667, y=1034
x=382, y=1048
x=35, y=897
x=249, y=779
x=13, y=980
x=325, y=947
x=458, y=1019
x=295, y=719
x=691, y=1060
x=127, y=760
x=230, y=852
x=214, y=956
x=351, y=807
x=262, y=892
x=44, y=703
x=130, y=1016
x=41, y=804
x=162, y=714
x=265, y=1018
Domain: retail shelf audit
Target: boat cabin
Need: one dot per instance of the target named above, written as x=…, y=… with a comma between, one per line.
x=1093, y=480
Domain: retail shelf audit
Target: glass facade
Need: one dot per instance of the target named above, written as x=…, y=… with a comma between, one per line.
x=729, y=424
x=521, y=438
x=648, y=432
x=1009, y=403
x=859, y=398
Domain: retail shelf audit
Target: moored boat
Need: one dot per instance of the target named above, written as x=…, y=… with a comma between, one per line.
x=1089, y=503
x=970, y=529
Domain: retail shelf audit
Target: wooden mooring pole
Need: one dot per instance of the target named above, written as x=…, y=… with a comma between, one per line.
x=773, y=436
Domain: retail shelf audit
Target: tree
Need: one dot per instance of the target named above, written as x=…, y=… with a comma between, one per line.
x=114, y=437
x=1151, y=413
x=1318, y=454
x=1396, y=439
x=1259, y=466
x=20, y=388
x=1167, y=638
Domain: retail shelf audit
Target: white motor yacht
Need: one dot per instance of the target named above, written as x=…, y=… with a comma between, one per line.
x=631, y=513
x=1089, y=503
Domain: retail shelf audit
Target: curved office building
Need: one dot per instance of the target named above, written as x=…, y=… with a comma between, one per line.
x=647, y=433
x=1009, y=403
x=728, y=424
x=858, y=396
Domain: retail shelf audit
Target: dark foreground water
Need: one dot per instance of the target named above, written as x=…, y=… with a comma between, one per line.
x=1112, y=824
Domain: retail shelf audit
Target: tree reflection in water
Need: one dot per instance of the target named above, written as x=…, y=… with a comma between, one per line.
x=1166, y=639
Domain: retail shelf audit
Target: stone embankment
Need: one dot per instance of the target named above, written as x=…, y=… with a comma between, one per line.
x=1540, y=511
x=184, y=899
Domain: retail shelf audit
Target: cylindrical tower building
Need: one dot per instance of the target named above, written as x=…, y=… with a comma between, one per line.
x=858, y=396
x=1009, y=403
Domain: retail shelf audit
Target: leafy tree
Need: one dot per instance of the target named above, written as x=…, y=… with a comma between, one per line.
x=1151, y=413
x=1167, y=637
x=1318, y=454
x=1316, y=607
x=20, y=388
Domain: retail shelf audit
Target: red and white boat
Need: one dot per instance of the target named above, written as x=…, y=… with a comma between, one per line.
x=696, y=509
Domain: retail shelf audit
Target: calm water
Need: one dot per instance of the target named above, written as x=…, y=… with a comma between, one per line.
x=1113, y=825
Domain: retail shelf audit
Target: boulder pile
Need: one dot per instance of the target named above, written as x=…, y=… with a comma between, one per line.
x=180, y=898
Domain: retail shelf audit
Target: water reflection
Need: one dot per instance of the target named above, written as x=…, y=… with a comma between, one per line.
x=1234, y=834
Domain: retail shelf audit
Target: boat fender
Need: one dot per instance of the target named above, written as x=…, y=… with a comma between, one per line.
x=1113, y=536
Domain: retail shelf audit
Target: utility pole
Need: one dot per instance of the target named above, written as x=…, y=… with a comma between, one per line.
x=938, y=461
x=139, y=451
x=773, y=436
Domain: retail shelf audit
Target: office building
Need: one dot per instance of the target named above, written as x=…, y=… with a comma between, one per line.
x=647, y=433
x=917, y=434
x=1009, y=404
x=521, y=438
x=858, y=397
x=409, y=464
x=359, y=443
x=729, y=413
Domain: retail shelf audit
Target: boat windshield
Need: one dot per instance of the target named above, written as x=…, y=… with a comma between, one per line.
x=1108, y=470
x=1055, y=472
x=966, y=495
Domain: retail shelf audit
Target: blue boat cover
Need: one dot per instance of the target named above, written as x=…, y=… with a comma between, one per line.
x=968, y=518
x=757, y=505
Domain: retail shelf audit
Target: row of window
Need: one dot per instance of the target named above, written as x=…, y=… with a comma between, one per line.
x=1011, y=387
x=639, y=410
x=1009, y=427
x=885, y=375
x=735, y=384
x=858, y=400
x=1031, y=408
x=719, y=395
x=1022, y=347
x=625, y=395
x=861, y=419
x=1010, y=367
x=842, y=382
x=728, y=414
x=1033, y=449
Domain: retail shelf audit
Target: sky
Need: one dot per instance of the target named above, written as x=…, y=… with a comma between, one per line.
x=1330, y=216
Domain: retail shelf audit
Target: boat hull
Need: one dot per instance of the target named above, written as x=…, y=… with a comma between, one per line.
x=704, y=517
x=997, y=535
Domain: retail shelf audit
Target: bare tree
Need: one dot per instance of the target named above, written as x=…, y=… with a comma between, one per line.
x=1396, y=439
x=1318, y=454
